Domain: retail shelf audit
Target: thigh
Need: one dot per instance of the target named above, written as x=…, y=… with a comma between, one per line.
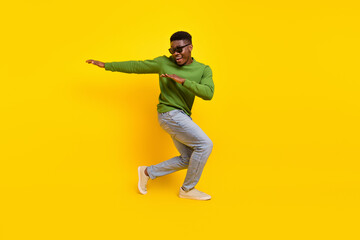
x=182, y=128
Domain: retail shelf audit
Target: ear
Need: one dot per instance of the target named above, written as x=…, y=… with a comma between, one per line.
x=190, y=47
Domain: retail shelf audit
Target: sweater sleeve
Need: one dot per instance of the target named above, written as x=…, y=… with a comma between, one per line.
x=146, y=66
x=204, y=89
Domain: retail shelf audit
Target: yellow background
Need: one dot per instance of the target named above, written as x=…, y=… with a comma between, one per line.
x=284, y=120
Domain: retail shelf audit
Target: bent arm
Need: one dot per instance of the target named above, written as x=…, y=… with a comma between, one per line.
x=204, y=89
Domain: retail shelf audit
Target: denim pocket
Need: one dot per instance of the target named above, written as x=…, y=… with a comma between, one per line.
x=183, y=112
x=173, y=113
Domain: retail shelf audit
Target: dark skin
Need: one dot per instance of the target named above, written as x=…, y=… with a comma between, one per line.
x=185, y=59
x=97, y=63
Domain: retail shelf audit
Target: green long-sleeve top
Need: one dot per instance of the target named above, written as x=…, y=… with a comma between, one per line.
x=173, y=95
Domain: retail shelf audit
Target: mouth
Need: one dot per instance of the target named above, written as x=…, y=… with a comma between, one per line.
x=178, y=59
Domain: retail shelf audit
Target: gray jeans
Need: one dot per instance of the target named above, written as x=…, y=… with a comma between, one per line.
x=192, y=143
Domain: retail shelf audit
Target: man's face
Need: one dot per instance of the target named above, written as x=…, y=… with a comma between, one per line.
x=184, y=57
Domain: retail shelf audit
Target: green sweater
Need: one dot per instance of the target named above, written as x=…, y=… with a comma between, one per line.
x=173, y=95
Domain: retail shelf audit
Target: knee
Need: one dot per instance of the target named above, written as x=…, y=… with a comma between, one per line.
x=207, y=145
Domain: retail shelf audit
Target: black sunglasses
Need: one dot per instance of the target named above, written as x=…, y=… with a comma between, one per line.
x=177, y=49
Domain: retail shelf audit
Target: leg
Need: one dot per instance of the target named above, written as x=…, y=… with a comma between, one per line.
x=181, y=128
x=174, y=164
x=202, y=148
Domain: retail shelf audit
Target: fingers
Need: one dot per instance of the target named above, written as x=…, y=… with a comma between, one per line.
x=90, y=61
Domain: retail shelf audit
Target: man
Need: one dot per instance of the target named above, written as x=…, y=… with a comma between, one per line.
x=181, y=78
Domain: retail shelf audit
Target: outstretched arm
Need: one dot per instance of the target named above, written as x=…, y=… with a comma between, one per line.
x=146, y=66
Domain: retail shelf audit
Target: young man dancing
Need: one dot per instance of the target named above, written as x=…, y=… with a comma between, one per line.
x=181, y=78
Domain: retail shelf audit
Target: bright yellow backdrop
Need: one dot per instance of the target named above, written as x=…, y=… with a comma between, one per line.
x=284, y=120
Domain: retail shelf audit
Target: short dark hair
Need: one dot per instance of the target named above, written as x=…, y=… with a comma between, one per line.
x=181, y=35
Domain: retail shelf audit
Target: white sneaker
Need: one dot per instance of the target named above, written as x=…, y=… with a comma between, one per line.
x=194, y=194
x=143, y=179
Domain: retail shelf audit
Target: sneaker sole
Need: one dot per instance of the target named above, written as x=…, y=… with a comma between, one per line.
x=203, y=199
x=186, y=197
x=139, y=174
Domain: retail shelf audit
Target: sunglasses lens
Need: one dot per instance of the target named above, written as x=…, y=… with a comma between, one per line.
x=178, y=49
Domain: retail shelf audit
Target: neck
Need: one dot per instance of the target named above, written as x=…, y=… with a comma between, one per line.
x=191, y=60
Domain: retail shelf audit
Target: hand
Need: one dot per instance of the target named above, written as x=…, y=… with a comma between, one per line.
x=97, y=63
x=174, y=77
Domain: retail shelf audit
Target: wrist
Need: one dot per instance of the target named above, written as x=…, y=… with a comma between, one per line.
x=100, y=64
